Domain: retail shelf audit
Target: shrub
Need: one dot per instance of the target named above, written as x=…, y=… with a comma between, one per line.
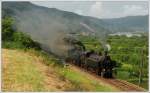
x=15, y=39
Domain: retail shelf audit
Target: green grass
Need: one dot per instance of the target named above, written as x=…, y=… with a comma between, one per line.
x=83, y=82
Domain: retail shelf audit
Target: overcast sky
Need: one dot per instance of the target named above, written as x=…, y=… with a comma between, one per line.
x=108, y=9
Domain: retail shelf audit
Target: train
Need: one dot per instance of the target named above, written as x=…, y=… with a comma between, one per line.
x=99, y=63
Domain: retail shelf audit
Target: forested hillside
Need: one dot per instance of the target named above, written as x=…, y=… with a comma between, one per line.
x=128, y=24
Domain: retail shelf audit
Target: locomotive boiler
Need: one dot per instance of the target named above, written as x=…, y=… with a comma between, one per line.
x=99, y=63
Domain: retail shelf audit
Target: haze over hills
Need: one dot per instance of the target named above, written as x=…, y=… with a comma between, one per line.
x=129, y=23
x=49, y=26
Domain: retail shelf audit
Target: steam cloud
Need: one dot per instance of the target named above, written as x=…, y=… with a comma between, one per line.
x=102, y=36
x=42, y=28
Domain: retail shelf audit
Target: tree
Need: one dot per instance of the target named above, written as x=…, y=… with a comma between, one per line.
x=7, y=30
x=15, y=39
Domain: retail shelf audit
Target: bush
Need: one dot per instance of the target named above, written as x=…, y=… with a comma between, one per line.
x=15, y=39
x=7, y=30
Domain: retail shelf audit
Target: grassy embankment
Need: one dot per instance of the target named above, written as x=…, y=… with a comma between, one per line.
x=36, y=71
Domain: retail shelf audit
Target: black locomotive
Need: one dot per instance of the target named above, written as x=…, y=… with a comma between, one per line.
x=99, y=63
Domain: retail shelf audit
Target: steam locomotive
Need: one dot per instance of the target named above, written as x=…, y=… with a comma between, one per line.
x=100, y=64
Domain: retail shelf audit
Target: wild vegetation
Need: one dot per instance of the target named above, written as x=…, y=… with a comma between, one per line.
x=132, y=53
x=15, y=39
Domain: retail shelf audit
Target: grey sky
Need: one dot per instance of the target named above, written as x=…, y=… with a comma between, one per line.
x=107, y=9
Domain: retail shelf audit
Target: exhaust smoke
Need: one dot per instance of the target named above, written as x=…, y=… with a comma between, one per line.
x=100, y=36
x=47, y=31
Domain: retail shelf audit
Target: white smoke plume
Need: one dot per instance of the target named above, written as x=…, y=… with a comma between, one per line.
x=42, y=28
x=101, y=36
x=89, y=28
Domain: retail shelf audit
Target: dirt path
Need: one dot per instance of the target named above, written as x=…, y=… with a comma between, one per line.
x=52, y=81
x=120, y=84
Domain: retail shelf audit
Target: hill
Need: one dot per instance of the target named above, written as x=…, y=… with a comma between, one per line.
x=49, y=26
x=128, y=24
x=34, y=71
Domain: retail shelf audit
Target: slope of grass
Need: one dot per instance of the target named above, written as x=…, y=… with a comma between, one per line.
x=80, y=81
x=25, y=71
x=84, y=82
x=22, y=72
x=19, y=72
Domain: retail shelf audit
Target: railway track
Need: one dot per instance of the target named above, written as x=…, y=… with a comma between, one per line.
x=120, y=84
x=123, y=85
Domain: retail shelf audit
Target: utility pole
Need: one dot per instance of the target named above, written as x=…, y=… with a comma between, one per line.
x=141, y=66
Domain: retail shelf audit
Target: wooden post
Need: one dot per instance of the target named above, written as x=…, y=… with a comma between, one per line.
x=141, y=66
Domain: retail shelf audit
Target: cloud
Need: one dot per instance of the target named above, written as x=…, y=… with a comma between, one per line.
x=117, y=9
x=96, y=10
x=134, y=10
x=100, y=9
x=80, y=12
